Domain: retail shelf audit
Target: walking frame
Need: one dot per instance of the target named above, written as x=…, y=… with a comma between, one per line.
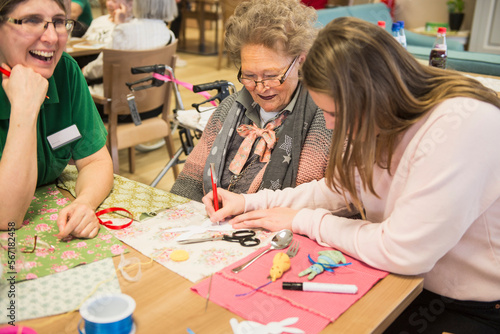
x=186, y=131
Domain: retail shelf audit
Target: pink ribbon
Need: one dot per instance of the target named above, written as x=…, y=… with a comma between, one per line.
x=186, y=85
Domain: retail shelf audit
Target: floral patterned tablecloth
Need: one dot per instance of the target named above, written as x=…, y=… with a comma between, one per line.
x=157, y=238
x=134, y=196
x=152, y=236
x=51, y=255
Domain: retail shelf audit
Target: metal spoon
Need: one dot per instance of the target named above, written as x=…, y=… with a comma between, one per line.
x=281, y=240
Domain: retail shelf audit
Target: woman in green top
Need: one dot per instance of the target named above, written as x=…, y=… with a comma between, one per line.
x=44, y=94
x=82, y=13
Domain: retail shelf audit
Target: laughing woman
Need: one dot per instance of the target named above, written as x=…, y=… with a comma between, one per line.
x=44, y=94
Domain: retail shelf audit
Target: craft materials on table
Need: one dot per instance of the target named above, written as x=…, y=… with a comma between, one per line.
x=151, y=237
x=41, y=253
x=213, y=178
x=327, y=260
x=61, y=292
x=320, y=287
x=252, y=327
x=281, y=261
x=280, y=240
x=158, y=238
x=243, y=237
x=271, y=303
x=134, y=196
x=108, y=314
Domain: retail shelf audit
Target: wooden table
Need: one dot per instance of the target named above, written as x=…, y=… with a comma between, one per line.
x=75, y=51
x=166, y=304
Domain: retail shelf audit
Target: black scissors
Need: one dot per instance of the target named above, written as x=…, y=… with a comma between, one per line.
x=244, y=237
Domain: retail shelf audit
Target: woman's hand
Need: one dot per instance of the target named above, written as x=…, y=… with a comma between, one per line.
x=22, y=80
x=79, y=220
x=230, y=204
x=274, y=219
x=95, y=180
x=121, y=14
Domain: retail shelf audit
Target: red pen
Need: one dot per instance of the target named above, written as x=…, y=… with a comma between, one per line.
x=214, y=186
x=4, y=71
x=7, y=73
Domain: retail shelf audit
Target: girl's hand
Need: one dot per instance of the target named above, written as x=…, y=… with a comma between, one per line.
x=274, y=219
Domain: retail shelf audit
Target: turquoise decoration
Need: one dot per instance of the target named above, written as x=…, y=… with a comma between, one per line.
x=327, y=260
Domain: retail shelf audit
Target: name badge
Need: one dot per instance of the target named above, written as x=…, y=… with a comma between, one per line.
x=63, y=137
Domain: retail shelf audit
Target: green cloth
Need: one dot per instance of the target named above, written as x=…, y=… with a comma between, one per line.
x=51, y=255
x=86, y=15
x=69, y=103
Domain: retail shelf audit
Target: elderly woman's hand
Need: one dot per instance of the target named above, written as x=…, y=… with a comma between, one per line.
x=231, y=204
x=79, y=220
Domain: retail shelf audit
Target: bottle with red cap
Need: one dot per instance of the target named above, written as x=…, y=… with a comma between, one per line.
x=381, y=24
x=439, y=51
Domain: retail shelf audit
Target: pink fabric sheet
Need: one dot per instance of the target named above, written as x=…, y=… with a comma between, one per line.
x=271, y=303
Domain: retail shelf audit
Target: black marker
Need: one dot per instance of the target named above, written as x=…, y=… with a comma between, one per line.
x=320, y=287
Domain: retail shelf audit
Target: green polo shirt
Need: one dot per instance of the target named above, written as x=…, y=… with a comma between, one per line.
x=69, y=103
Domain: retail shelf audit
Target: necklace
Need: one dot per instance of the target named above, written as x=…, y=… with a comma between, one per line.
x=236, y=177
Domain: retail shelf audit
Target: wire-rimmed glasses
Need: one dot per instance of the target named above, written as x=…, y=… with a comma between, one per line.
x=266, y=83
x=36, y=25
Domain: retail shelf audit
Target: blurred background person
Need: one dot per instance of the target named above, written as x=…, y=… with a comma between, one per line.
x=101, y=31
x=101, y=28
x=147, y=29
x=81, y=12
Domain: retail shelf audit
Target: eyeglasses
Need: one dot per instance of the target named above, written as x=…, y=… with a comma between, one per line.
x=266, y=83
x=37, y=26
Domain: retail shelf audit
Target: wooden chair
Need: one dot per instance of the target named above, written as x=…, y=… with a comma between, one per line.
x=203, y=11
x=117, y=72
x=227, y=9
x=102, y=5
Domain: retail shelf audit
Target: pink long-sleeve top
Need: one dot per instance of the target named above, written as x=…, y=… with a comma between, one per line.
x=438, y=211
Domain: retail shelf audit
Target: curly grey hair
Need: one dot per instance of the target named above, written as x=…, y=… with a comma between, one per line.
x=281, y=25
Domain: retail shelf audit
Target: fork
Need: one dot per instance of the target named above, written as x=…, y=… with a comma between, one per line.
x=293, y=249
x=291, y=252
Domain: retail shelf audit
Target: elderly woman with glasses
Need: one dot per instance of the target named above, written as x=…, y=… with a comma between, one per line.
x=47, y=117
x=270, y=134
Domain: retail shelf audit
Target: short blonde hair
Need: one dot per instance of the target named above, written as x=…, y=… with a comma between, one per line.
x=280, y=25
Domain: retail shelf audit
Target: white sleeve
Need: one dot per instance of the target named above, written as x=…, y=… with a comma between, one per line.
x=94, y=69
x=314, y=194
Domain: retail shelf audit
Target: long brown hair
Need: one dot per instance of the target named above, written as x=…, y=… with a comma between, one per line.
x=379, y=90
